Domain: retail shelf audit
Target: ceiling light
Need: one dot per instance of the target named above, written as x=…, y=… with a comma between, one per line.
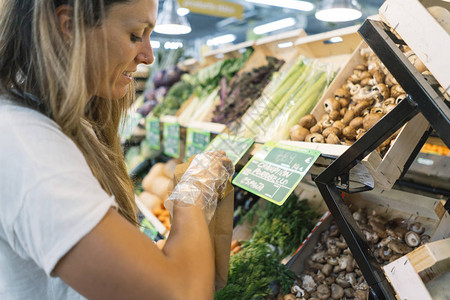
x=155, y=44
x=169, y=22
x=182, y=11
x=292, y=4
x=223, y=39
x=173, y=45
x=338, y=10
x=285, y=45
x=283, y=23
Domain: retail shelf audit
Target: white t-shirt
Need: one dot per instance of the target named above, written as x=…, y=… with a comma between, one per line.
x=49, y=200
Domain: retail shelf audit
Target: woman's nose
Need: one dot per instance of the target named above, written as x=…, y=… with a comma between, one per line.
x=145, y=55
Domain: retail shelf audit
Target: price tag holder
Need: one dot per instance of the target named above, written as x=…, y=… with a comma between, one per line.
x=171, y=139
x=152, y=133
x=275, y=171
x=235, y=147
x=196, y=141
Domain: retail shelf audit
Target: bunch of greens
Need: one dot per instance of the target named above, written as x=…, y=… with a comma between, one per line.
x=283, y=226
x=239, y=93
x=203, y=83
x=278, y=232
x=253, y=271
x=175, y=97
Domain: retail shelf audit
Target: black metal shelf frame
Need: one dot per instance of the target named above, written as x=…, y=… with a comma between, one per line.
x=421, y=98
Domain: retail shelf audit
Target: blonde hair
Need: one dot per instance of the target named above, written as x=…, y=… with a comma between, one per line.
x=40, y=70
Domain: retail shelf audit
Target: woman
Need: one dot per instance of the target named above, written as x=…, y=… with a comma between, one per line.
x=67, y=215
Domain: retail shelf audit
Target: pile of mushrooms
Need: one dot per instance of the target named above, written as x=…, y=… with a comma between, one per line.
x=331, y=272
x=368, y=94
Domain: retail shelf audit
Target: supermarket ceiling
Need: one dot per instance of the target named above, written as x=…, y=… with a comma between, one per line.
x=207, y=26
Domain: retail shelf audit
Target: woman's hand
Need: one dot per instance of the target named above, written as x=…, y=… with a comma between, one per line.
x=202, y=182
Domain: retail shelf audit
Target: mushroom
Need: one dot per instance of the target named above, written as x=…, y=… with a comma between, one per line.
x=400, y=98
x=315, y=138
x=320, y=277
x=359, y=133
x=326, y=132
x=327, y=123
x=326, y=269
x=417, y=227
x=385, y=253
x=412, y=239
x=335, y=115
x=334, y=251
x=371, y=236
x=345, y=263
x=314, y=265
x=349, y=292
x=347, y=142
x=344, y=102
x=360, y=107
x=378, y=228
x=356, y=122
x=316, y=128
x=337, y=292
x=361, y=295
x=339, y=124
x=350, y=278
x=364, y=75
x=330, y=279
x=343, y=111
x=342, y=282
x=341, y=93
x=425, y=238
x=298, y=133
x=319, y=257
x=323, y=292
x=297, y=291
x=355, y=77
x=390, y=80
x=364, y=94
x=353, y=88
x=399, y=247
x=307, y=121
x=378, y=77
x=388, y=108
x=349, y=115
x=359, y=216
x=370, y=120
x=383, y=89
x=289, y=297
x=394, y=257
x=341, y=244
x=396, y=90
x=365, y=81
x=360, y=67
x=377, y=110
x=332, y=138
x=332, y=261
x=365, y=52
x=331, y=104
x=349, y=132
x=308, y=283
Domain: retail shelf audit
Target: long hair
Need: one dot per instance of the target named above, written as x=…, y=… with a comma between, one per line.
x=41, y=70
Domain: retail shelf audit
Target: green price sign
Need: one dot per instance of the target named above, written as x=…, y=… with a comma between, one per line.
x=275, y=171
x=196, y=141
x=171, y=139
x=235, y=147
x=152, y=133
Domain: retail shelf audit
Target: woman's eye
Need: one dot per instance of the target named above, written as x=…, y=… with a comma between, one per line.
x=134, y=38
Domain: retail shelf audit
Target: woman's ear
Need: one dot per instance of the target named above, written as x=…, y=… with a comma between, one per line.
x=64, y=18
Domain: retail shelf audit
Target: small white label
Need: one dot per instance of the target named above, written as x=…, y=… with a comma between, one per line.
x=425, y=161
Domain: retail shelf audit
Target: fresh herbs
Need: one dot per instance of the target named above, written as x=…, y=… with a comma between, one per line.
x=252, y=273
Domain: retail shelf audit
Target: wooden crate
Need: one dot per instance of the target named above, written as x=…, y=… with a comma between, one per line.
x=391, y=204
x=423, y=273
x=327, y=48
x=384, y=170
x=226, y=52
x=429, y=39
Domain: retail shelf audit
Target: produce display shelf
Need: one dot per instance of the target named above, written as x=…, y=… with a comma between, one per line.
x=422, y=98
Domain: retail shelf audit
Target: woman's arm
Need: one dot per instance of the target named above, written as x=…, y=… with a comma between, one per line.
x=116, y=261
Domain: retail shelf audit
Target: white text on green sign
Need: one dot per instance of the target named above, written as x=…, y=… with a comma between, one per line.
x=196, y=141
x=152, y=133
x=275, y=171
x=171, y=136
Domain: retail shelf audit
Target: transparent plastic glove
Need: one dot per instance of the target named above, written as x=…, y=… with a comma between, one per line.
x=202, y=183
